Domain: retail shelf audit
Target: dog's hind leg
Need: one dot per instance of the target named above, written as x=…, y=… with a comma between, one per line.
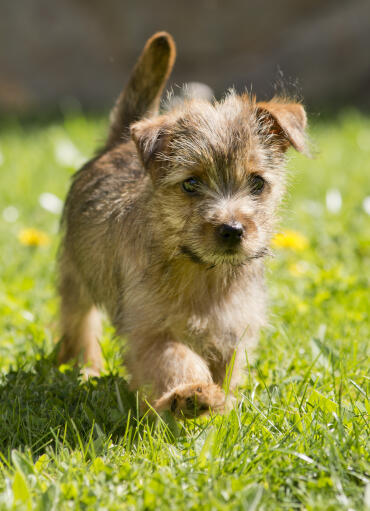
x=80, y=324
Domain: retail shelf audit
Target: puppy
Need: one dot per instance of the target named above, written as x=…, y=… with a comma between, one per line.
x=166, y=229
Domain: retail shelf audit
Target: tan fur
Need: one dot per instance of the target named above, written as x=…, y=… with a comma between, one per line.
x=143, y=92
x=149, y=253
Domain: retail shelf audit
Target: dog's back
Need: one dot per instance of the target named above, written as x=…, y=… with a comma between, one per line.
x=103, y=190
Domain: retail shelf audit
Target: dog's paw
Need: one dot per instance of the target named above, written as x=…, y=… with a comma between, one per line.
x=191, y=400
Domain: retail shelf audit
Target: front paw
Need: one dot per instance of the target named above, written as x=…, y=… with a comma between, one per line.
x=191, y=400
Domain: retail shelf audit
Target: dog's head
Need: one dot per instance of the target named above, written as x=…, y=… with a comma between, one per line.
x=217, y=175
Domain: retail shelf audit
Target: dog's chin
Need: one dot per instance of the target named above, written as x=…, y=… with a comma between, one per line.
x=225, y=257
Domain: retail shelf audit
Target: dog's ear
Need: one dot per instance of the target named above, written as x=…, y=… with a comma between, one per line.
x=151, y=137
x=286, y=122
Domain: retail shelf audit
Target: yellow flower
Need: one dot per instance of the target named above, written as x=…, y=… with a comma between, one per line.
x=297, y=269
x=290, y=239
x=33, y=238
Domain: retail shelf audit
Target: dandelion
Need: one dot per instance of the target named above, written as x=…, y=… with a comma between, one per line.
x=290, y=239
x=297, y=269
x=33, y=237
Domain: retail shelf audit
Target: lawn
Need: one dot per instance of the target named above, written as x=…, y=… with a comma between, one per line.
x=299, y=436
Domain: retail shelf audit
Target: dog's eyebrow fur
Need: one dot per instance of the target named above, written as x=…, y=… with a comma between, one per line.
x=220, y=141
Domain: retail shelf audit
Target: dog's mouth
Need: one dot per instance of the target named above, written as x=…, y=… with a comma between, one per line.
x=192, y=255
x=230, y=256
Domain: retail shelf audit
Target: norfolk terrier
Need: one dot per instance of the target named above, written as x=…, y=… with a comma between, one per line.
x=166, y=230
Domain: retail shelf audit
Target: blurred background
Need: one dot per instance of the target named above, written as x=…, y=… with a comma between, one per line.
x=70, y=53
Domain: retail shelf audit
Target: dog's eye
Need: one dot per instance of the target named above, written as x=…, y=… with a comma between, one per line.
x=190, y=185
x=257, y=184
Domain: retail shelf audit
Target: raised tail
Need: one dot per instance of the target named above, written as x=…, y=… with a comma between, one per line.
x=142, y=95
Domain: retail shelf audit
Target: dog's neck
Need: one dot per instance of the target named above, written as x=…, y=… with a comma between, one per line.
x=199, y=287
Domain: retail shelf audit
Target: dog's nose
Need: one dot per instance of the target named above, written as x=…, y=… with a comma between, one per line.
x=230, y=233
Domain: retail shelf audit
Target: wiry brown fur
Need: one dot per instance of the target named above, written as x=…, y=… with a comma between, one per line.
x=137, y=245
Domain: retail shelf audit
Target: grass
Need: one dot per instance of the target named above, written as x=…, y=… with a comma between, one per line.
x=299, y=437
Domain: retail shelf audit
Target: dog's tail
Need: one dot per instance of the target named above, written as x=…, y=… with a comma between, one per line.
x=142, y=94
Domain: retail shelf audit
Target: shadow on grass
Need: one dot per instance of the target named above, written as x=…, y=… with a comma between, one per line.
x=44, y=406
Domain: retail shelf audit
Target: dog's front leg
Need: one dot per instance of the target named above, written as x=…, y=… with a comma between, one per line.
x=180, y=379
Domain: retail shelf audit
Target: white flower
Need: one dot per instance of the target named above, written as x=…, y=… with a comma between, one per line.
x=366, y=204
x=27, y=315
x=312, y=207
x=51, y=203
x=367, y=496
x=363, y=140
x=10, y=214
x=333, y=200
x=67, y=154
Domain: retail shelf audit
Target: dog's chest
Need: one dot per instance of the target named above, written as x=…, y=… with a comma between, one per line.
x=216, y=331
x=214, y=335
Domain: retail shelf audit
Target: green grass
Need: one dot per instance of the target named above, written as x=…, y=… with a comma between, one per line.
x=299, y=437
